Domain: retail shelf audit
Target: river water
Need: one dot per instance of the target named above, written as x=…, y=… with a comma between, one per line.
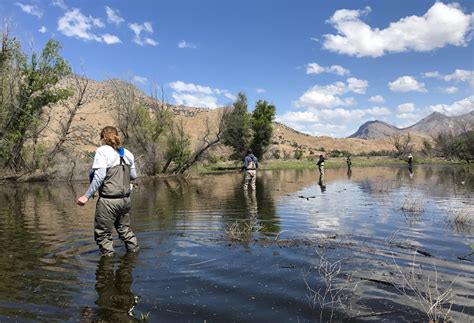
x=379, y=243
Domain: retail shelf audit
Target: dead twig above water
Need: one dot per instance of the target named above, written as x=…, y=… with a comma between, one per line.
x=423, y=289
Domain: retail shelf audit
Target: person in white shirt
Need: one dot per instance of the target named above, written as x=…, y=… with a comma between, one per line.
x=112, y=170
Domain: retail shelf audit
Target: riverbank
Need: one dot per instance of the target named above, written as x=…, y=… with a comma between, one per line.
x=337, y=162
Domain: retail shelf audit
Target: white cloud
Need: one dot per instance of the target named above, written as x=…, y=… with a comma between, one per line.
x=450, y=90
x=139, y=79
x=42, y=29
x=356, y=85
x=260, y=91
x=195, y=100
x=197, y=95
x=75, y=24
x=30, y=9
x=378, y=111
x=335, y=122
x=110, y=39
x=324, y=96
x=408, y=116
x=59, y=4
x=460, y=107
x=432, y=74
x=185, y=44
x=406, y=84
x=298, y=117
x=113, y=16
x=314, y=68
x=138, y=29
x=406, y=107
x=442, y=25
x=341, y=113
x=328, y=96
x=460, y=76
x=308, y=122
x=180, y=86
x=377, y=99
x=339, y=70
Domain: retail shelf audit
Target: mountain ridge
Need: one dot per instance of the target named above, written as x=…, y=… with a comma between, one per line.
x=430, y=126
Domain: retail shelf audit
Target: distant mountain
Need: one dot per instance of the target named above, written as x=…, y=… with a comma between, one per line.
x=431, y=126
x=437, y=122
x=375, y=130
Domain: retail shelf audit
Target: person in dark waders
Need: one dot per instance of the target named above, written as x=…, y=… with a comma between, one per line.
x=320, y=164
x=250, y=166
x=112, y=170
x=410, y=164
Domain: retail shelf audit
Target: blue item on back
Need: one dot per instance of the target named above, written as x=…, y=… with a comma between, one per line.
x=121, y=151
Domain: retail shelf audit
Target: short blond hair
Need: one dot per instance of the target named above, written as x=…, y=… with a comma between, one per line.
x=109, y=135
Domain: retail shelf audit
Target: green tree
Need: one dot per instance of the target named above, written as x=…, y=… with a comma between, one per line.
x=427, y=147
x=178, y=149
x=28, y=85
x=237, y=127
x=262, y=127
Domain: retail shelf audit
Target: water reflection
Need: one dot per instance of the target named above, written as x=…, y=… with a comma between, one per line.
x=251, y=203
x=116, y=300
x=322, y=183
x=49, y=265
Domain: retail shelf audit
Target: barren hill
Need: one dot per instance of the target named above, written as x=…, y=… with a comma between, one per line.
x=375, y=130
x=99, y=110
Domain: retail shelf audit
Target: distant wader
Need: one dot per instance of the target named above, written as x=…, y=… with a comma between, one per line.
x=251, y=175
x=321, y=168
x=112, y=210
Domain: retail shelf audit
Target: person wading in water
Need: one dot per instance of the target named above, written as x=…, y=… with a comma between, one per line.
x=112, y=170
x=250, y=166
x=320, y=164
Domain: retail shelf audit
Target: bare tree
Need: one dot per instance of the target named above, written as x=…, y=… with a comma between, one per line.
x=208, y=140
x=72, y=106
x=401, y=143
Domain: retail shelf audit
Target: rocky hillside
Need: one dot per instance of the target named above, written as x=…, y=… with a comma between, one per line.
x=430, y=126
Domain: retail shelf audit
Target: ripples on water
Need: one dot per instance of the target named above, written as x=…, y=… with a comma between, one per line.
x=373, y=228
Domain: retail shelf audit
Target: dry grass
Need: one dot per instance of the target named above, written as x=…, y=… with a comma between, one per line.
x=421, y=287
x=461, y=220
x=242, y=230
x=334, y=291
x=412, y=206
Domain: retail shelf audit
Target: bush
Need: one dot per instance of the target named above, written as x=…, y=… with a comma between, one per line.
x=338, y=153
x=276, y=154
x=298, y=154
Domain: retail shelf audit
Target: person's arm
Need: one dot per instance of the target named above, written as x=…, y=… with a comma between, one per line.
x=97, y=181
x=244, y=166
x=133, y=170
x=133, y=174
x=100, y=169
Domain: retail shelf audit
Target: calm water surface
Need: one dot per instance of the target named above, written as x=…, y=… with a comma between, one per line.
x=369, y=241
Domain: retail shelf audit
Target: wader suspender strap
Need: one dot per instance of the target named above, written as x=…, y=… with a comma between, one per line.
x=121, y=152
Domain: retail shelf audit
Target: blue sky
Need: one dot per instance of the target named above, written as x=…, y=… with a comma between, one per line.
x=328, y=66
